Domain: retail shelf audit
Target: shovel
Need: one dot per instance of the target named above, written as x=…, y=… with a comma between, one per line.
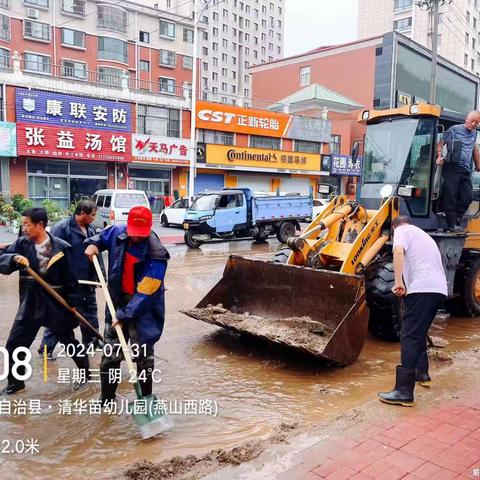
x=62, y=301
x=150, y=423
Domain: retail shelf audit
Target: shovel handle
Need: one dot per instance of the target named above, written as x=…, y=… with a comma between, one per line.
x=62, y=301
x=111, y=308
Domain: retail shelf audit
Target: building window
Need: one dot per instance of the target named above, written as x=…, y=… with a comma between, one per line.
x=224, y=57
x=187, y=62
x=75, y=7
x=37, y=63
x=215, y=16
x=167, y=58
x=167, y=85
x=465, y=60
x=225, y=28
x=167, y=29
x=152, y=120
x=307, y=147
x=215, y=61
x=205, y=66
x=403, y=5
x=112, y=49
x=467, y=39
x=110, y=76
x=472, y=64
x=403, y=24
x=305, y=76
x=224, y=72
x=73, y=69
x=73, y=38
x=214, y=76
x=144, y=37
x=37, y=3
x=224, y=43
x=224, y=87
x=5, y=28
x=5, y=3
x=258, y=141
x=112, y=18
x=4, y=58
x=215, y=47
x=335, y=144
x=205, y=50
x=246, y=92
x=214, y=136
x=187, y=35
x=144, y=66
x=36, y=30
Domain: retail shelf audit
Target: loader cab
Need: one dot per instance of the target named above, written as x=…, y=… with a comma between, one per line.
x=399, y=154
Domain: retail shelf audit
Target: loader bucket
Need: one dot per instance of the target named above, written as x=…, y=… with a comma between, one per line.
x=317, y=312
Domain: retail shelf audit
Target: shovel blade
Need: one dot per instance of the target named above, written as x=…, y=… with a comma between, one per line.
x=154, y=421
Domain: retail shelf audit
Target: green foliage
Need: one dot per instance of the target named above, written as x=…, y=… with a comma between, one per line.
x=7, y=213
x=54, y=212
x=20, y=203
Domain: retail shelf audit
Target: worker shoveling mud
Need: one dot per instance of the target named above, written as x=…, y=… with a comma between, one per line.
x=320, y=313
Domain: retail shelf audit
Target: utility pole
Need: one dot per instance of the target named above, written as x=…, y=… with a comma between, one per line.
x=433, y=6
x=433, y=80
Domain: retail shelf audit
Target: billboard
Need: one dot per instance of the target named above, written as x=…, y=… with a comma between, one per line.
x=8, y=139
x=33, y=106
x=36, y=140
x=156, y=149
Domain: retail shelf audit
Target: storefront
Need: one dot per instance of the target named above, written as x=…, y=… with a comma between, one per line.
x=263, y=150
x=157, y=167
x=71, y=146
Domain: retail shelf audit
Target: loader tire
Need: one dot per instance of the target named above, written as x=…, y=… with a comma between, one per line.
x=467, y=283
x=385, y=307
x=190, y=241
x=285, y=231
x=282, y=255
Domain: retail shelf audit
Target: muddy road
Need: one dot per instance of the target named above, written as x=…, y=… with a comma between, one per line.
x=254, y=388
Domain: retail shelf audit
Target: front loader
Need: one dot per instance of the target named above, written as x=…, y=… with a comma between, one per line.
x=313, y=295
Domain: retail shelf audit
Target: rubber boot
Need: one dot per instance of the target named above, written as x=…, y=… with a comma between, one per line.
x=147, y=384
x=108, y=389
x=402, y=394
x=421, y=375
x=12, y=387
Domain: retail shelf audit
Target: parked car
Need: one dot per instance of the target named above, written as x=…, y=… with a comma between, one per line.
x=175, y=213
x=113, y=206
x=319, y=205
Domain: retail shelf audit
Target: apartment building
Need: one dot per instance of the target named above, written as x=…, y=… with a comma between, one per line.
x=97, y=93
x=458, y=32
x=235, y=35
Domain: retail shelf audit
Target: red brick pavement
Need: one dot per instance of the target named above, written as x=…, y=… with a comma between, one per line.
x=440, y=443
x=172, y=239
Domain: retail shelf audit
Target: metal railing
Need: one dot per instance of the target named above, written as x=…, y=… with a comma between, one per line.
x=75, y=72
x=75, y=7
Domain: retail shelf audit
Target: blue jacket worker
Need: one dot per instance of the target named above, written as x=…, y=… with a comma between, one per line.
x=137, y=262
x=52, y=259
x=75, y=230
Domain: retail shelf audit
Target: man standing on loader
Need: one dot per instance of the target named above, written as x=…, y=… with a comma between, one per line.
x=51, y=258
x=461, y=142
x=137, y=262
x=418, y=263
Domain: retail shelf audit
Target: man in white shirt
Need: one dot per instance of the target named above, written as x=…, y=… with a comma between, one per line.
x=420, y=278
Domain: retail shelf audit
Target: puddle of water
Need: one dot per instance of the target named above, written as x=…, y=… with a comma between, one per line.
x=255, y=386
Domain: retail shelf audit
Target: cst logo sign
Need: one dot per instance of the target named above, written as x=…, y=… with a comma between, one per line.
x=216, y=117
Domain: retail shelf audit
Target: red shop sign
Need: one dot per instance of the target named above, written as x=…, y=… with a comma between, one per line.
x=35, y=140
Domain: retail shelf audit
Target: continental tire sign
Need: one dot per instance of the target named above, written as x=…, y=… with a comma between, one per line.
x=233, y=157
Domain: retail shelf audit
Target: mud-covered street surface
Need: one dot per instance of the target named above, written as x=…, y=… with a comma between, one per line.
x=265, y=397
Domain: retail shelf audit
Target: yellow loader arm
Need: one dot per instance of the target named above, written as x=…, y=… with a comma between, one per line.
x=345, y=237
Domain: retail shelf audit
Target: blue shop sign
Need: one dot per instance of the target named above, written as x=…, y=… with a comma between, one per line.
x=34, y=106
x=345, y=166
x=8, y=139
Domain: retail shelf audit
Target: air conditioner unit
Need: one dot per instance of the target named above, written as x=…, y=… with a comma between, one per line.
x=32, y=13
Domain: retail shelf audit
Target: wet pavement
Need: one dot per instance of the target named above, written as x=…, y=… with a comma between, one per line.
x=254, y=386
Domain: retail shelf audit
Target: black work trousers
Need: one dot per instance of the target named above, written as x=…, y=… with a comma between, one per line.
x=23, y=334
x=420, y=310
x=457, y=193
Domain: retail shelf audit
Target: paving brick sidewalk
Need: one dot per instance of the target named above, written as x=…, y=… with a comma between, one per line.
x=438, y=443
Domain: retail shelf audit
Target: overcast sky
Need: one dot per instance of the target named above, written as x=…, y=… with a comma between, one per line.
x=314, y=23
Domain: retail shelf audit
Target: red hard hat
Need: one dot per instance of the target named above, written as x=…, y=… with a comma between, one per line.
x=139, y=222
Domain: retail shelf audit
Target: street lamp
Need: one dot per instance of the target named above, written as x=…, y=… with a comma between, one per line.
x=193, y=138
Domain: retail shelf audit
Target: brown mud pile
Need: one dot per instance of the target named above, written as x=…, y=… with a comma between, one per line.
x=298, y=332
x=192, y=467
